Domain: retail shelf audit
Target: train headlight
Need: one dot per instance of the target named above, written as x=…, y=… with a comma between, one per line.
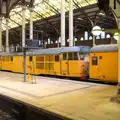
x=96, y=30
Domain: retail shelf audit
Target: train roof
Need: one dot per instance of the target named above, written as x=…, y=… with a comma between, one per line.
x=105, y=48
x=50, y=51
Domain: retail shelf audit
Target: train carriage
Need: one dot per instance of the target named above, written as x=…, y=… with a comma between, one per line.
x=64, y=61
x=104, y=63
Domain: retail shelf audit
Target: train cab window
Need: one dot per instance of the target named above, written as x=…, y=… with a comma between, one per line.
x=94, y=60
x=56, y=58
x=30, y=58
x=82, y=56
x=11, y=58
x=75, y=56
x=64, y=56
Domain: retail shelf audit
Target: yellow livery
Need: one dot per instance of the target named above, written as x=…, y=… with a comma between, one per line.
x=64, y=61
x=104, y=63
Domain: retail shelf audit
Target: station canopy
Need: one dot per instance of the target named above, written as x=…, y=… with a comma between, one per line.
x=42, y=9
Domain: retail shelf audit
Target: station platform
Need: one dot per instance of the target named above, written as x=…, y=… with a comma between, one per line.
x=73, y=99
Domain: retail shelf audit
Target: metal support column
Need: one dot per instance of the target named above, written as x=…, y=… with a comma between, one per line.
x=7, y=35
x=31, y=23
x=23, y=26
x=119, y=59
x=70, y=23
x=62, y=23
x=23, y=41
x=94, y=38
x=0, y=34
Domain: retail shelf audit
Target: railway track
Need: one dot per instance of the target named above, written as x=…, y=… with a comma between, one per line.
x=23, y=111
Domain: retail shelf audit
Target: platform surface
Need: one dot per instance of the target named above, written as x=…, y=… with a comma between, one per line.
x=73, y=99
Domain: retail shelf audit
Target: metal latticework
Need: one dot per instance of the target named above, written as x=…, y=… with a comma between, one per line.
x=42, y=9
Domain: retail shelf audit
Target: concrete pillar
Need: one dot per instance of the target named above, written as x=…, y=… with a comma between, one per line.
x=70, y=23
x=7, y=35
x=31, y=23
x=0, y=34
x=119, y=59
x=94, y=40
x=62, y=23
x=23, y=26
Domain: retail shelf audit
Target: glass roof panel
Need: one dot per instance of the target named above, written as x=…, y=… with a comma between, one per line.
x=42, y=9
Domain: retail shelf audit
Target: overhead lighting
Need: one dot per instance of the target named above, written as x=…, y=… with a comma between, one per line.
x=96, y=30
x=102, y=13
x=79, y=18
x=116, y=36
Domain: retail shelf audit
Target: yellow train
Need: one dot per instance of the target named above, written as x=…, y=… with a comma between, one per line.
x=65, y=61
x=104, y=63
x=99, y=63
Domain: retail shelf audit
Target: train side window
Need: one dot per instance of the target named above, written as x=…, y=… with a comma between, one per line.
x=30, y=58
x=11, y=58
x=56, y=58
x=100, y=57
x=75, y=56
x=70, y=56
x=64, y=56
x=94, y=60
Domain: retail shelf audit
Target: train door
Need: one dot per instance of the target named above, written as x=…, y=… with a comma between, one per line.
x=94, y=68
x=64, y=65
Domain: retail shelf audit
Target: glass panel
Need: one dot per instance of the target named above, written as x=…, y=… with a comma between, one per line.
x=94, y=60
x=64, y=56
x=82, y=56
x=70, y=57
x=75, y=56
x=30, y=58
x=56, y=58
x=11, y=58
x=40, y=58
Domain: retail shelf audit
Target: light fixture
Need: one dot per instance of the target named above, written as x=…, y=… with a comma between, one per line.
x=96, y=30
x=79, y=18
x=102, y=13
x=116, y=36
x=67, y=40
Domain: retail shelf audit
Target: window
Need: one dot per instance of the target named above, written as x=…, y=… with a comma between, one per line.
x=39, y=58
x=100, y=57
x=11, y=58
x=30, y=58
x=51, y=58
x=94, y=60
x=64, y=56
x=86, y=35
x=39, y=65
x=75, y=56
x=70, y=56
x=56, y=58
x=82, y=56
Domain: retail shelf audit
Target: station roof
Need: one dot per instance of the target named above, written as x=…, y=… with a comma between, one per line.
x=42, y=9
